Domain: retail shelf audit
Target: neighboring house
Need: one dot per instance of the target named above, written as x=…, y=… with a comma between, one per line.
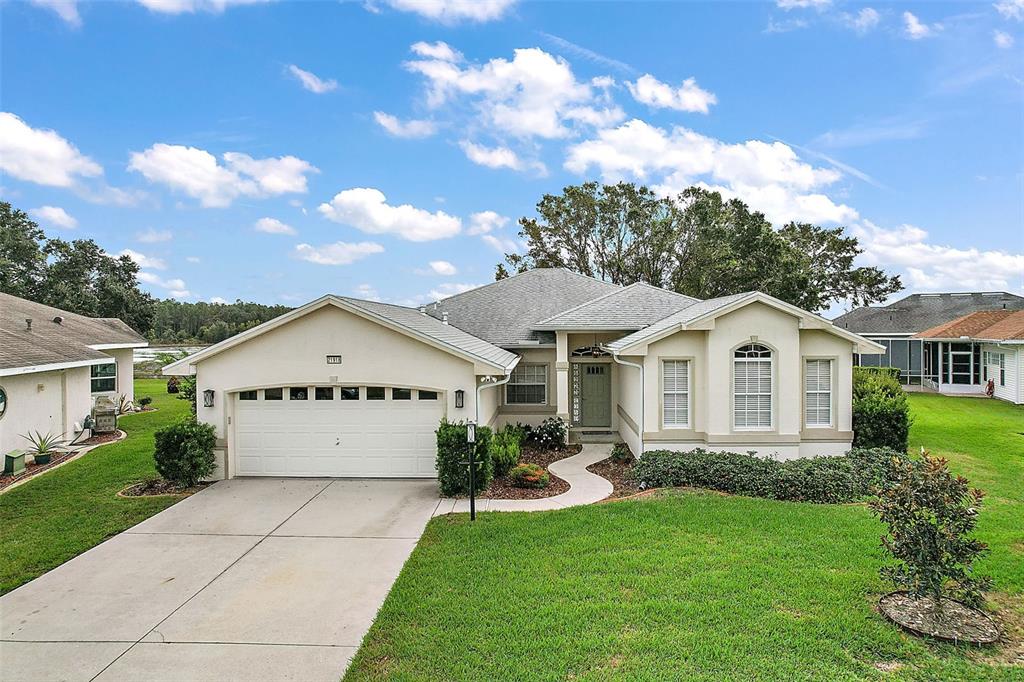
x=999, y=337
x=54, y=364
x=347, y=387
x=896, y=325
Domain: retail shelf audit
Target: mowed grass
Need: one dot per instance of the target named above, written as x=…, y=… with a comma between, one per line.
x=64, y=512
x=694, y=586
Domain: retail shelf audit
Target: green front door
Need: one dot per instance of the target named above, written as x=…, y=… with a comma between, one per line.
x=595, y=394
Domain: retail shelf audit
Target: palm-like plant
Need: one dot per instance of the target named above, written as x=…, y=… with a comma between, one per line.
x=42, y=448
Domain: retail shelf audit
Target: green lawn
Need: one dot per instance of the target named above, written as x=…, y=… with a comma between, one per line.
x=64, y=512
x=691, y=585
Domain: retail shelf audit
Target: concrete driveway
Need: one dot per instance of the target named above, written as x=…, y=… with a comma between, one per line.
x=251, y=579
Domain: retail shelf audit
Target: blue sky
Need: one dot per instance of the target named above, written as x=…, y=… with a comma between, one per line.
x=277, y=151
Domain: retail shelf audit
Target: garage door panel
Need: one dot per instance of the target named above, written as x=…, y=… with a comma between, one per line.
x=346, y=438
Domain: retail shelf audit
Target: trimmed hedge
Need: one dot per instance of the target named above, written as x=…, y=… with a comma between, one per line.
x=183, y=451
x=452, y=451
x=893, y=372
x=845, y=478
x=881, y=412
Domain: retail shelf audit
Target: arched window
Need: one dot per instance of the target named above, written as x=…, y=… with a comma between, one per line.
x=752, y=387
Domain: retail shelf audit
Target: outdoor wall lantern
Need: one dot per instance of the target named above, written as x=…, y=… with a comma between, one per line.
x=460, y=398
x=208, y=398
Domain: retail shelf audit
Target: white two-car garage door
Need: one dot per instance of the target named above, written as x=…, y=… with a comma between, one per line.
x=358, y=431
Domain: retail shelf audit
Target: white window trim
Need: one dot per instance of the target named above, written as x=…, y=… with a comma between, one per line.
x=831, y=393
x=689, y=394
x=771, y=392
x=94, y=379
x=543, y=383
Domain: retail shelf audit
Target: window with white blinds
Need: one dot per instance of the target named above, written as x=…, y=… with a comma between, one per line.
x=818, y=392
x=675, y=400
x=752, y=387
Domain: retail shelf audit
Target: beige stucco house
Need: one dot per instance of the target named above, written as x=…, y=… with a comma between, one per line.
x=53, y=366
x=347, y=387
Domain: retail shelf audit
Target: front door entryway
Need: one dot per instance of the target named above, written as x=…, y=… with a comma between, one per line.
x=595, y=395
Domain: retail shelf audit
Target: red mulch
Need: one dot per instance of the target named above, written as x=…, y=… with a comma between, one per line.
x=99, y=439
x=501, y=487
x=31, y=469
x=618, y=474
x=159, y=486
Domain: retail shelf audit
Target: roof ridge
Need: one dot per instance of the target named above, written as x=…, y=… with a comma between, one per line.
x=520, y=274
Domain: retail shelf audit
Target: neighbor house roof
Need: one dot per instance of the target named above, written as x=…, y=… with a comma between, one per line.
x=918, y=312
x=988, y=325
x=633, y=307
x=408, y=321
x=76, y=340
x=505, y=312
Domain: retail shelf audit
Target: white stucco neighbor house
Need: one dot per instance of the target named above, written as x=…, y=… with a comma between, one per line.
x=53, y=366
x=348, y=387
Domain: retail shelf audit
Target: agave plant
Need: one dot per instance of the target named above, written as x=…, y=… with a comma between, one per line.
x=42, y=448
x=124, y=404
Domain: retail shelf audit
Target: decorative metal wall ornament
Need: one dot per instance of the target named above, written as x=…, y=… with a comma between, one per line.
x=594, y=351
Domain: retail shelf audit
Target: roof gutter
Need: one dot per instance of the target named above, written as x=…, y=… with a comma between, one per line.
x=489, y=382
x=640, y=423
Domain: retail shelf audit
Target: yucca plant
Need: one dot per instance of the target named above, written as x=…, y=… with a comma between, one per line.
x=124, y=404
x=42, y=448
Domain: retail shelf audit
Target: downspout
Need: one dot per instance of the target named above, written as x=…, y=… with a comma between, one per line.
x=487, y=383
x=643, y=395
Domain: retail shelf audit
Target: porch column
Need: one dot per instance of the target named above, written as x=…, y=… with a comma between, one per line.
x=562, y=374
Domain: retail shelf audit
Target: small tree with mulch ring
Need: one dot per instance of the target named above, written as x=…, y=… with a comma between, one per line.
x=930, y=515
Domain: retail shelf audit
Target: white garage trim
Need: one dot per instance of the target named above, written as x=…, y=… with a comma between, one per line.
x=331, y=437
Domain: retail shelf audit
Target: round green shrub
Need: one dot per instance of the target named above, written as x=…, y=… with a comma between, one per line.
x=881, y=413
x=529, y=476
x=622, y=453
x=184, y=452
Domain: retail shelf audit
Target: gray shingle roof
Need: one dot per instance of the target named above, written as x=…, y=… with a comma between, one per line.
x=919, y=312
x=435, y=329
x=505, y=311
x=691, y=312
x=48, y=342
x=632, y=307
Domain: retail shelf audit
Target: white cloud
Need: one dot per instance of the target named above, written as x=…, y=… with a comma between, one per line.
x=486, y=221
x=588, y=54
x=439, y=50
x=338, y=253
x=56, y=216
x=915, y=30
x=502, y=244
x=863, y=21
x=770, y=177
x=175, y=287
x=802, y=4
x=218, y=300
x=152, y=236
x=688, y=97
x=367, y=209
x=1011, y=9
x=454, y=11
x=443, y=267
x=450, y=289
x=310, y=81
x=144, y=261
x=883, y=130
x=1002, y=39
x=533, y=95
x=192, y=6
x=367, y=292
x=193, y=259
x=499, y=157
x=273, y=226
x=41, y=156
x=934, y=267
x=65, y=9
x=198, y=173
x=411, y=128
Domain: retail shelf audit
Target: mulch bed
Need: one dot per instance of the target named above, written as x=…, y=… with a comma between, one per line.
x=159, y=486
x=618, y=474
x=98, y=439
x=501, y=487
x=32, y=469
x=957, y=623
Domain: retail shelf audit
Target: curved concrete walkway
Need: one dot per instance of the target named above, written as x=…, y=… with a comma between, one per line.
x=584, y=487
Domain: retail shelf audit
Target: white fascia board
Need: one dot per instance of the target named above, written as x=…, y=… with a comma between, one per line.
x=34, y=369
x=114, y=346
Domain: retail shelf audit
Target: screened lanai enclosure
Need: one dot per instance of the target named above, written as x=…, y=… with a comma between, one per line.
x=945, y=366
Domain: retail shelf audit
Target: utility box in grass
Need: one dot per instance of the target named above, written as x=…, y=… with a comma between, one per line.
x=14, y=462
x=104, y=414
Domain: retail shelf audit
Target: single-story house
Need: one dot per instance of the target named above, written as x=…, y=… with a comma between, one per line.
x=53, y=366
x=348, y=387
x=999, y=337
x=898, y=327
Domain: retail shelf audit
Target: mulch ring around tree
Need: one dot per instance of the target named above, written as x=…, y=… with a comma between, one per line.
x=159, y=486
x=957, y=623
x=501, y=487
x=618, y=473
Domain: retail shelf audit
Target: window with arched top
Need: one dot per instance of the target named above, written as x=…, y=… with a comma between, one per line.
x=752, y=387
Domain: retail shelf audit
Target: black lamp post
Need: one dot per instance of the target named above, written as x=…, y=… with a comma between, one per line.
x=471, y=440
